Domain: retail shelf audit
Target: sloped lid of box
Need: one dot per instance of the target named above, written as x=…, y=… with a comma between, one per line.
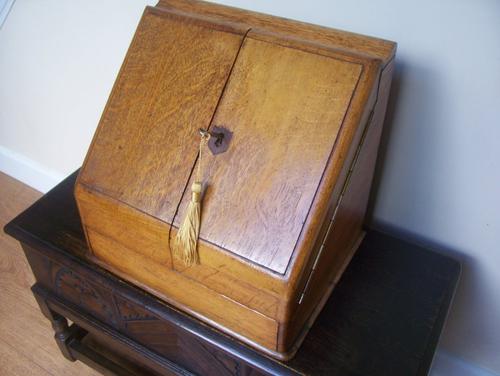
x=284, y=107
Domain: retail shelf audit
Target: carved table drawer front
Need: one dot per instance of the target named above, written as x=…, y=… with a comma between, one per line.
x=99, y=299
x=169, y=341
x=73, y=287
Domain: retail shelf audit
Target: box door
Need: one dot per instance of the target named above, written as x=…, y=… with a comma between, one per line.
x=168, y=87
x=285, y=107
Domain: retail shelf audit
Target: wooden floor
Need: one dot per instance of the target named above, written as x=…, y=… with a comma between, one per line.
x=27, y=346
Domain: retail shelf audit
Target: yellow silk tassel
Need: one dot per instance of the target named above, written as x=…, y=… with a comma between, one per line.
x=186, y=240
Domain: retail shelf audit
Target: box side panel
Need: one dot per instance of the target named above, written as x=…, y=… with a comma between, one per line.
x=331, y=184
x=345, y=231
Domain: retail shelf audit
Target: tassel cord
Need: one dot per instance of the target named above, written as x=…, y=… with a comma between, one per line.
x=186, y=240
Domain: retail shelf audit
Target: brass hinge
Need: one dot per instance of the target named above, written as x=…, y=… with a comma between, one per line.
x=337, y=205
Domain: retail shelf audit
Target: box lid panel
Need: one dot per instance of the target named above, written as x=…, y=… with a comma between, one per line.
x=168, y=87
x=284, y=107
x=357, y=43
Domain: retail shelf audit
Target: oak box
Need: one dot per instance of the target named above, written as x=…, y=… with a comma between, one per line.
x=302, y=108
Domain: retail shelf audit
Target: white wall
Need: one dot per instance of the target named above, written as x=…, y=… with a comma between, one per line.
x=58, y=62
x=439, y=180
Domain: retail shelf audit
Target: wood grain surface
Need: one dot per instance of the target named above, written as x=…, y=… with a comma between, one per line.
x=284, y=107
x=297, y=99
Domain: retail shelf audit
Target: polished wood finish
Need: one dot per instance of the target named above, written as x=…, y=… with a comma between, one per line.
x=305, y=107
x=384, y=317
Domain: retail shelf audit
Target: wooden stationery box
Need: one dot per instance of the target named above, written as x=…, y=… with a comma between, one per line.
x=283, y=207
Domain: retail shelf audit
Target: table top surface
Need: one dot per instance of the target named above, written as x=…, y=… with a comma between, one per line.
x=384, y=317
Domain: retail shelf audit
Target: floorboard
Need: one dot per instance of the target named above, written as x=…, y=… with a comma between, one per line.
x=27, y=346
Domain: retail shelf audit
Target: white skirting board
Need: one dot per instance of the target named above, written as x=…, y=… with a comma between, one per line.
x=28, y=171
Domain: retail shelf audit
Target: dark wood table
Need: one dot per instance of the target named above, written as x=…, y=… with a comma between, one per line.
x=384, y=317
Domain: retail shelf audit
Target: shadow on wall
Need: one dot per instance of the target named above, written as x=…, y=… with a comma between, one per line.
x=404, y=167
x=385, y=138
x=411, y=191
